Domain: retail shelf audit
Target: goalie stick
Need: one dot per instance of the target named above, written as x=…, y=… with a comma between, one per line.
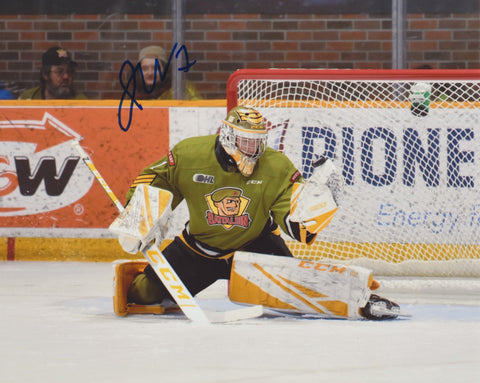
x=167, y=274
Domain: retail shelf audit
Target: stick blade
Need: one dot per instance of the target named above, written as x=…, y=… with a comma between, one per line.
x=240, y=313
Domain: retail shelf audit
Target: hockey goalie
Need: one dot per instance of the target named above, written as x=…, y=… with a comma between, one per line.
x=240, y=195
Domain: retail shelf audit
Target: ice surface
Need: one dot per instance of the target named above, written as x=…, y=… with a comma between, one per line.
x=57, y=325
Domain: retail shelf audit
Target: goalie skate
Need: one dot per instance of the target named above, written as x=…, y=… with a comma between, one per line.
x=379, y=308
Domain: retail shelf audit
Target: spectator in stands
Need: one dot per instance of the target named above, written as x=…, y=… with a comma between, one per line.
x=156, y=88
x=56, y=78
x=4, y=93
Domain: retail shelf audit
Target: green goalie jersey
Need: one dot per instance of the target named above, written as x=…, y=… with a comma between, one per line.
x=227, y=210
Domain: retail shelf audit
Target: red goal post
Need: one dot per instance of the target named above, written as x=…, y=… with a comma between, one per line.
x=408, y=145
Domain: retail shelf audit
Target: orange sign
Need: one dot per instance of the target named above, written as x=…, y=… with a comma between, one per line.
x=43, y=181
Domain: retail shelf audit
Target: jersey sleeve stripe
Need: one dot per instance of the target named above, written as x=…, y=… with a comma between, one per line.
x=143, y=179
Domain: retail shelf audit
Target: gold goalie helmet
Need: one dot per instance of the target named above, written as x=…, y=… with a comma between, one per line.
x=244, y=137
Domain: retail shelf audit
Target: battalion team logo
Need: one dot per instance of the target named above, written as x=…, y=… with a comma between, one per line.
x=227, y=208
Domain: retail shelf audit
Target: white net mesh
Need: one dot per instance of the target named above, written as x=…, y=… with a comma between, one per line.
x=408, y=151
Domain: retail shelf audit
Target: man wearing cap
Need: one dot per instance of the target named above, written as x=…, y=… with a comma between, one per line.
x=158, y=86
x=56, y=78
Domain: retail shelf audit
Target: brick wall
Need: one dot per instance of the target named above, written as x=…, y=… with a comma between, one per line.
x=222, y=43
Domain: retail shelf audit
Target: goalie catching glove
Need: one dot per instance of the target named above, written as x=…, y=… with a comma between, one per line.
x=145, y=218
x=312, y=203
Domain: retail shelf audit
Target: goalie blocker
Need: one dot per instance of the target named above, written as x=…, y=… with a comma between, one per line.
x=145, y=218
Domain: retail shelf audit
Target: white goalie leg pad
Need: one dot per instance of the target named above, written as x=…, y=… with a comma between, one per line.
x=299, y=286
x=144, y=219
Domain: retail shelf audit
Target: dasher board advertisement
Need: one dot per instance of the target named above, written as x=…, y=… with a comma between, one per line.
x=46, y=189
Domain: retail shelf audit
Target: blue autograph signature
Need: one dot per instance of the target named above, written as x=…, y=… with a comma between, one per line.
x=132, y=82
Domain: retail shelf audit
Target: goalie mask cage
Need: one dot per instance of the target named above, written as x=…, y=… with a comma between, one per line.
x=407, y=143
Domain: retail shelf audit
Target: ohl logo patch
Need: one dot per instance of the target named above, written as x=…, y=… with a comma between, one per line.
x=227, y=208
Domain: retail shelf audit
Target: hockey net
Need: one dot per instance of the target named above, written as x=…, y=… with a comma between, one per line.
x=407, y=143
